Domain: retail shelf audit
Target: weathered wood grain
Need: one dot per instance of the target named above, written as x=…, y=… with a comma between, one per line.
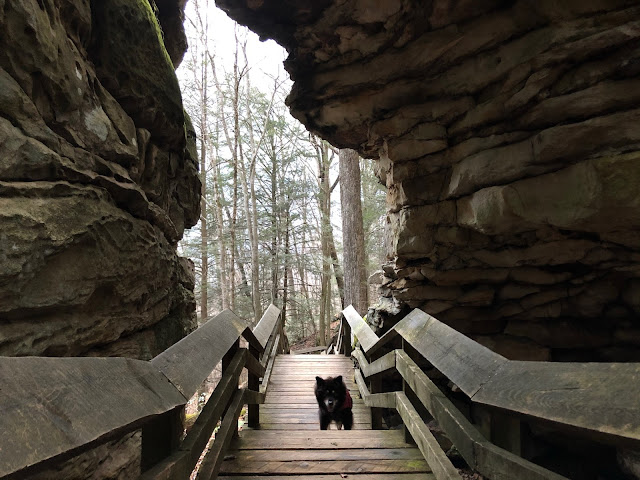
x=310, y=467
x=270, y=358
x=287, y=426
x=330, y=455
x=382, y=364
x=52, y=406
x=360, y=329
x=357, y=476
x=380, y=400
x=190, y=361
x=254, y=366
x=213, y=459
x=180, y=464
x=442, y=467
x=304, y=351
x=600, y=397
x=252, y=397
x=266, y=325
x=481, y=455
x=466, y=363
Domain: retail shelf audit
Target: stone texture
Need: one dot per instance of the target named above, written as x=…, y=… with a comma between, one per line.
x=507, y=135
x=98, y=180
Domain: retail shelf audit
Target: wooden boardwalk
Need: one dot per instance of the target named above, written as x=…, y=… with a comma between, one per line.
x=290, y=445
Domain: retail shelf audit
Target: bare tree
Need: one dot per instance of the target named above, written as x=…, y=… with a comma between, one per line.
x=355, y=274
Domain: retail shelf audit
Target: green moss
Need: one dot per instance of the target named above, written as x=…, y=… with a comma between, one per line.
x=134, y=65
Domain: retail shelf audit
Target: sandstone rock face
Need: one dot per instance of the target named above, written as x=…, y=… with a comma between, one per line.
x=508, y=136
x=96, y=179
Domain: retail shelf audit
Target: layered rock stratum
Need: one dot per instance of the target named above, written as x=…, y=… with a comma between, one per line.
x=507, y=135
x=98, y=178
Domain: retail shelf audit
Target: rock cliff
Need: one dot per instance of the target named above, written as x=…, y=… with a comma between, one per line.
x=508, y=136
x=98, y=178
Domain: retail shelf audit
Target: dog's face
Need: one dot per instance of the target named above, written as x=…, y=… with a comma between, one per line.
x=330, y=392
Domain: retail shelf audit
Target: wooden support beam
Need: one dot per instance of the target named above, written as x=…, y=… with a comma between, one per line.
x=256, y=370
x=381, y=365
x=251, y=397
x=190, y=361
x=481, y=455
x=380, y=400
x=361, y=330
x=265, y=327
x=269, y=359
x=180, y=465
x=61, y=405
x=440, y=464
x=212, y=462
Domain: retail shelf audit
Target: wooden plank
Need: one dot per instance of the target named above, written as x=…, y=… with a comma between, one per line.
x=59, y=405
x=264, y=386
x=329, y=455
x=190, y=361
x=366, y=476
x=213, y=459
x=598, y=397
x=307, y=387
x=337, y=466
x=460, y=431
x=254, y=366
x=481, y=455
x=442, y=467
x=250, y=435
x=305, y=408
x=181, y=463
x=360, y=329
x=380, y=400
x=308, y=416
x=251, y=397
x=466, y=363
x=303, y=351
x=382, y=364
x=266, y=325
x=286, y=426
x=383, y=341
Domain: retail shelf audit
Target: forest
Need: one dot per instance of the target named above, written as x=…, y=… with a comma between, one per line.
x=273, y=195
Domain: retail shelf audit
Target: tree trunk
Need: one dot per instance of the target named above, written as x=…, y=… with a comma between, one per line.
x=355, y=275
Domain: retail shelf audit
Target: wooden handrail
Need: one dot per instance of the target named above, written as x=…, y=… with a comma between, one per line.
x=64, y=406
x=598, y=398
x=190, y=361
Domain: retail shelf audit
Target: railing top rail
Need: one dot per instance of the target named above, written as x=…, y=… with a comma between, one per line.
x=60, y=404
x=190, y=361
x=63, y=405
x=266, y=325
x=360, y=329
x=601, y=398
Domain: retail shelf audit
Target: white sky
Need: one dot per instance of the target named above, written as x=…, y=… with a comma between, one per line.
x=265, y=58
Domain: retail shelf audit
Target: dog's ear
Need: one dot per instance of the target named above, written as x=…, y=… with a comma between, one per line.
x=338, y=379
x=319, y=381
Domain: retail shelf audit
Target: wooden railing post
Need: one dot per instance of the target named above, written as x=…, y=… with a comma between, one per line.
x=346, y=339
x=254, y=384
x=161, y=437
x=408, y=392
x=226, y=360
x=375, y=386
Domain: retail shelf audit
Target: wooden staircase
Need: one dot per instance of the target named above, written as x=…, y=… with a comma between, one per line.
x=289, y=443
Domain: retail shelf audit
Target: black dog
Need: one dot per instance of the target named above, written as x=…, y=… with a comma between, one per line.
x=335, y=402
